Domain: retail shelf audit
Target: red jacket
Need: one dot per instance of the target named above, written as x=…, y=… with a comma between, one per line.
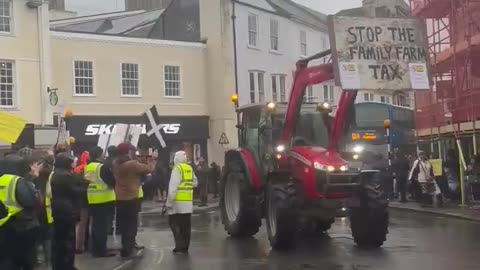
x=82, y=162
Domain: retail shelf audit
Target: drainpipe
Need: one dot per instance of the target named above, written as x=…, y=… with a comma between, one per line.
x=235, y=60
x=235, y=57
x=42, y=61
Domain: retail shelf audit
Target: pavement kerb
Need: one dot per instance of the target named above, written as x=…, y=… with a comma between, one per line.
x=195, y=210
x=435, y=213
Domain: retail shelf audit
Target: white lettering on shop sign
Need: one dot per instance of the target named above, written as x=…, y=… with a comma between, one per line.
x=99, y=129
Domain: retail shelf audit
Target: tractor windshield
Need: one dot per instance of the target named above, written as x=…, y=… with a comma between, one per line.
x=311, y=127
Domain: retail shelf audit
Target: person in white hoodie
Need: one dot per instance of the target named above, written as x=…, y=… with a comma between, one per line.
x=422, y=172
x=180, y=201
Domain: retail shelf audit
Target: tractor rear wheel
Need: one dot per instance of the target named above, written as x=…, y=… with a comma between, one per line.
x=281, y=215
x=238, y=206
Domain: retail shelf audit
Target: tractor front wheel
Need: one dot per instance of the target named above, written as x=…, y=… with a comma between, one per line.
x=369, y=226
x=238, y=206
x=281, y=215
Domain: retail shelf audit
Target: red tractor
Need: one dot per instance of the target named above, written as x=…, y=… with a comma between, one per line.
x=289, y=170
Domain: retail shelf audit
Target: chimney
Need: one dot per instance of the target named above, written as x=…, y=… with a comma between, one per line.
x=56, y=4
x=146, y=4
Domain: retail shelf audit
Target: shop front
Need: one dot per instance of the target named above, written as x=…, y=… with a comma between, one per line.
x=189, y=133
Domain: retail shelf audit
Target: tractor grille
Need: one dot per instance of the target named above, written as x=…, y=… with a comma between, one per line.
x=336, y=182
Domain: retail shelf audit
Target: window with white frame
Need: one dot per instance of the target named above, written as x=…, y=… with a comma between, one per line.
x=274, y=88
x=6, y=16
x=278, y=88
x=261, y=87
x=274, y=35
x=172, y=81
x=251, y=76
x=400, y=99
x=303, y=43
x=283, y=89
x=130, y=81
x=83, y=78
x=252, y=30
x=7, y=85
x=324, y=43
x=368, y=97
x=308, y=97
x=385, y=99
x=257, y=86
x=329, y=94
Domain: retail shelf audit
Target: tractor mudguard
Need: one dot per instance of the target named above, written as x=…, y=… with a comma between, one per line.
x=246, y=159
x=370, y=193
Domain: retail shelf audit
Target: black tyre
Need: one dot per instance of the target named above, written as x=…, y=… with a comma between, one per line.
x=369, y=219
x=281, y=216
x=321, y=226
x=238, y=206
x=369, y=226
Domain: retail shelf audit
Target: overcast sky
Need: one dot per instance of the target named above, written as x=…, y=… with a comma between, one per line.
x=330, y=6
x=98, y=6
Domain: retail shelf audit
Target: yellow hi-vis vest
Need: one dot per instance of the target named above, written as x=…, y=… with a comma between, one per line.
x=140, y=193
x=8, y=186
x=48, y=199
x=185, y=189
x=98, y=192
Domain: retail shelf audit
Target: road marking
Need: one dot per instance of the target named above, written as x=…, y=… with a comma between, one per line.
x=121, y=266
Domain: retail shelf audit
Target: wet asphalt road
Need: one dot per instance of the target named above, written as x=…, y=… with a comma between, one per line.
x=416, y=241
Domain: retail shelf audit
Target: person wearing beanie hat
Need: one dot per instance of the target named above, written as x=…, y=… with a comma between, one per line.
x=127, y=173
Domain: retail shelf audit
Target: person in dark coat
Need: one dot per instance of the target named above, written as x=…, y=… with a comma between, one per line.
x=214, y=178
x=18, y=251
x=68, y=194
x=202, y=171
x=45, y=229
x=108, y=166
x=401, y=168
x=159, y=177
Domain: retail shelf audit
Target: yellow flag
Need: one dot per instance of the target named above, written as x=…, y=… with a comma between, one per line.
x=437, y=167
x=11, y=126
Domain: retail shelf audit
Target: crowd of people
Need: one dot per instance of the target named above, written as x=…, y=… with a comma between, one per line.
x=415, y=177
x=66, y=205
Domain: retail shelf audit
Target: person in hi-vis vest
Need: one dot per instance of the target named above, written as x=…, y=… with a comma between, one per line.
x=19, y=226
x=101, y=202
x=180, y=201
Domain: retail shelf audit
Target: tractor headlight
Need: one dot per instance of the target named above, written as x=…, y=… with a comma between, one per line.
x=280, y=148
x=357, y=149
x=322, y=167
x=343, y=168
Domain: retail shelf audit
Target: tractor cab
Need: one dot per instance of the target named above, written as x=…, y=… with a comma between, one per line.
x=261, y=127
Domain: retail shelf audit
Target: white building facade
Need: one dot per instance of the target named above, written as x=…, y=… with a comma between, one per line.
x=270, y=40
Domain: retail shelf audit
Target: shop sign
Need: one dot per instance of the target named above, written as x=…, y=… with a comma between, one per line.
x=100, y=129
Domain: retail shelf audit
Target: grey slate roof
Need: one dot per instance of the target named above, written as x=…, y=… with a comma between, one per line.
x=114, y=25
x=178, y=21
x=301, y=13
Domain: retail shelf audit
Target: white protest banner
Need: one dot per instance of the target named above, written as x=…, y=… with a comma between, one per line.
x=385, y=54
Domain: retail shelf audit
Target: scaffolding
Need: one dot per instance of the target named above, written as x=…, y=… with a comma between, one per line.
x=453, y=28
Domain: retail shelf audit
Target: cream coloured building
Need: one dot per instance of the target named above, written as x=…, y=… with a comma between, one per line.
x=112, y=68
x=105, y=77
x=24, y=64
